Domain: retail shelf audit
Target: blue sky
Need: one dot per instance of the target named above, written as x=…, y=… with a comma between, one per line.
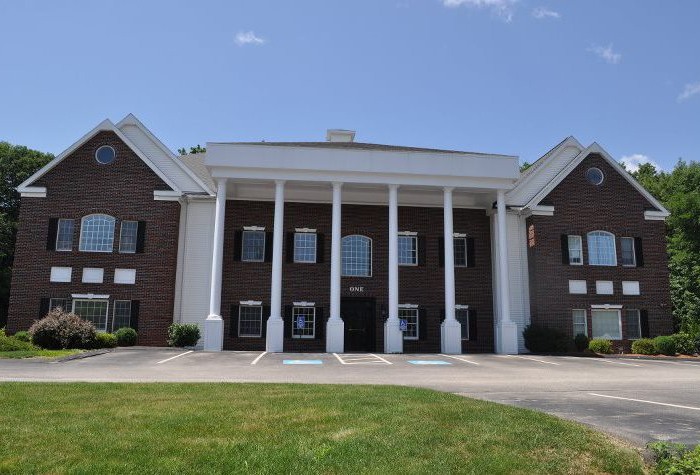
x=499, y=76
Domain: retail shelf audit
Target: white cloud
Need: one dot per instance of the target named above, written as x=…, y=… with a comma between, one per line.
x=606, y=53
x=248, y=38
x=632, y=162
x=542, y=12
x=689, y=91
x=503, y=8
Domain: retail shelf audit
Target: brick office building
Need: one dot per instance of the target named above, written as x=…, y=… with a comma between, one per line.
x=339, y=245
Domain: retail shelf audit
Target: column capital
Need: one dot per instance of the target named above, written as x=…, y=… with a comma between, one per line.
x=393, y=186
x=280, y=182
x=221, y=181
x=337, y=184
x=448, y=189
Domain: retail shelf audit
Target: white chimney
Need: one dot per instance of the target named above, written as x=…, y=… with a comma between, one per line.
x=340, y=135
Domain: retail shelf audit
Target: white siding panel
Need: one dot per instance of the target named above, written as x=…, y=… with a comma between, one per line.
x=199, y=230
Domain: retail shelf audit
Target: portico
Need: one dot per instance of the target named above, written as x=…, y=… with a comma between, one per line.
x=354, y=176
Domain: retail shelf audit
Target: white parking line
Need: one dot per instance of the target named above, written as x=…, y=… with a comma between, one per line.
x=173, y=357
x=678, y=363
x=533, y=359
x=459, y=359
x=368, y=358
x=255, y=361
x=384, y=360
x=601, y=360
x=648, y=402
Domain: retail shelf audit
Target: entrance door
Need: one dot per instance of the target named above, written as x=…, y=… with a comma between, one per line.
x=359, y=316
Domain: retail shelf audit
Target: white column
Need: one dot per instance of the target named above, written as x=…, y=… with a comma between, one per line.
x=335, y=327
x=275, y=324
x=393, y=337
x=214, y=324
x=506, y=330
x=450, y=329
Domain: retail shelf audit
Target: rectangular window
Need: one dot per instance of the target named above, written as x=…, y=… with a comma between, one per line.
x=250, y=321
x=411, y=317
x=634, y=327
x=304, y=322
x=92, y=310
x=64, y=235
x=606, y=324
x=305, y=247
x=253, y=246
x=628, y=254
x=604, y=287
x=127, y=237
x=460, y=249
x=408, y=250
x=575, y=251
x=122, y=314
x=580, y=322
x=59, y=303
x=462, y=316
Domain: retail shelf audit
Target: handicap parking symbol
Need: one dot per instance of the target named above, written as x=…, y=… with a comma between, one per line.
x=301, y=322
x=403, y=325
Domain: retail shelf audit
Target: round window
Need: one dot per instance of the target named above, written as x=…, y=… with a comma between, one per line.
x=594, y=176
x=105, y=155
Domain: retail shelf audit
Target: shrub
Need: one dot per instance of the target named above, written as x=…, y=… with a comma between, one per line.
x=126, y=336
x=11, y=343
x=105, y=340
x=581, y=342
x=59, y=330
x=675, y=459
x=183, y=334
x=665, y=345
x=643, y=346
x=545, y=340
x=23, y=336
x=685, y=343
x=600, y=345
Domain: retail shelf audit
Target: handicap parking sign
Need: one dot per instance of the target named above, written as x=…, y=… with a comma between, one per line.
x=301, y=321
x=403, y=325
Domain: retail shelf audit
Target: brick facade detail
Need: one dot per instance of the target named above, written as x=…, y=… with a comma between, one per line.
x=614, y=206
x=79, y=186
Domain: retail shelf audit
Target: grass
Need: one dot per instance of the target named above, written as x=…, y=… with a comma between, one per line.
x=38, y=353
x=275, y=428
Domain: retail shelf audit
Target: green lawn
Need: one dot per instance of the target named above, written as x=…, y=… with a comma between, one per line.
x=275, y=428
x=38, y=353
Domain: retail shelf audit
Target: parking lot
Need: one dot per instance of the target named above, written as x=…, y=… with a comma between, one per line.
x=639, y=400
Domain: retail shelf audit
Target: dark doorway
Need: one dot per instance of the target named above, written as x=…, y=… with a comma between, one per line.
x=359, y=315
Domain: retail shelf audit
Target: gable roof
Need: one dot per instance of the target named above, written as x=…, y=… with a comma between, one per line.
x=357, y=146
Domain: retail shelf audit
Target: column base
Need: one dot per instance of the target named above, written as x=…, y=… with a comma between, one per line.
x=393, y=337
x=213, y=333
x=274, y=339
x=507, y=338
x=451, y=337
x=335, y=335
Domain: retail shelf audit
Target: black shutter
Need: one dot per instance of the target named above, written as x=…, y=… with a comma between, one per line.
x=233, y=321
x=290, y=247
x=638, y=252
x=268, y=246
x=237, y=245
x=51, y=235
x=565, y=249
x=141, y=237
x=441, y=251
x=422, y=324
x=320, y=248
x=289, y=320
x=421, y=250
x=320, y=324
x=442, y=315
x=44, y=307
x=265, y=316
x=470, y=252
x=134, y=320
x=644, y=323
x=472, y=324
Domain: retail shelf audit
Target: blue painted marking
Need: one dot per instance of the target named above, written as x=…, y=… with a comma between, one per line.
x=303, y=362
x=428, y=362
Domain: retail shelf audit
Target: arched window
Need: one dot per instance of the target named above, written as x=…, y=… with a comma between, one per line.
x=357, y=256
x=601, y=249
x=97, y=233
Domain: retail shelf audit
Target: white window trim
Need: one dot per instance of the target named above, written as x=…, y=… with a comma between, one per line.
x=119, y=276
x=605, y=306
x=459, y=235
x=639, y=322
x=580, y=246
x=96, y=271
x=256, y=229
x=262, y=321
x=585, y=319
x=121, y=229
x=463, y=238
x=98, y=297
x=626, y=284
x=614, y=264
x=250, y=303
x=461, y=307
x=80, y=237
x=294, y=250
x=574, y=283
x=114, y=310
x=410, y=306
x=58, y=231
x=305, y=230
x=304, y=304
x=634, y=251
x=619, y=319
x=600, y=286
x=57, y=277
x=371, y=257
x=414, y=236
x=407, y=233
x=313, y=331
x=253, y=228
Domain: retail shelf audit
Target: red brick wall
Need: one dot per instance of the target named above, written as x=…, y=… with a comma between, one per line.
x=79, y=186
x=422, y=285
x=580, y=207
